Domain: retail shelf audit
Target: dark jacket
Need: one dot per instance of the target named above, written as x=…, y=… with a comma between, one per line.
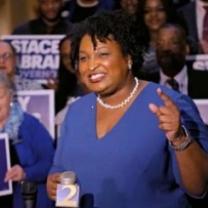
x=188, y=14
x=197, y=82
x=38, y=27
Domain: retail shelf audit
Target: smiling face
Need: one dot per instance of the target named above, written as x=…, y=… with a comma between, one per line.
x=154, y=14
x=104, y=68
x=171, y=49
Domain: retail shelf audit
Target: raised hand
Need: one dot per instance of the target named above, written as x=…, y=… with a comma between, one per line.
x=168, y=116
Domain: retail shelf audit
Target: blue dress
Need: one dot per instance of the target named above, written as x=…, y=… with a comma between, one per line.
x=35, y=152
x=132, y=166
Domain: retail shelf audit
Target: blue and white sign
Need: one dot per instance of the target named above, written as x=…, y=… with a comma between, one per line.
x=5, y=164
x=37, y=55
x=198, y=62
x=39, y=103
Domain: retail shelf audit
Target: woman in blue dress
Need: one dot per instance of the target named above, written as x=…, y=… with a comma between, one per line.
x=131, y=143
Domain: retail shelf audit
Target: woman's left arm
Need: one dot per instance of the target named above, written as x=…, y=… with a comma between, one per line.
x=41, y=145
x=192, y=159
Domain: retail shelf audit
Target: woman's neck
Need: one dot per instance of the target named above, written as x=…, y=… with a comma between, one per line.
x=153, y=37
x=121, y=94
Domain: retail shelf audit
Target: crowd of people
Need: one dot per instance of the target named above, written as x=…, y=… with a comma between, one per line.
x=127, y=123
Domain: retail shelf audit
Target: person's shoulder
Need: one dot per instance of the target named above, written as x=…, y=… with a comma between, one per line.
x=29, y=122
x=85, y=100
x=24, y=29
x=174, y=95
x=21, y=29
x=153, y=86
x=29, y=118
x=67, y=25
x=187, y=7
x=29, y=27
x=183, y=102
x=81, y=106
x=32, y=123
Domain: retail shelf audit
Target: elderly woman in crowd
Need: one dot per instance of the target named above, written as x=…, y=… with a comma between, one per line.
x=31, y=149
x=131, y=143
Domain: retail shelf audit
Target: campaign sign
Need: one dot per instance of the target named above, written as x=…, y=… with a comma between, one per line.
x=37, y=55
x=39, y=103
x=5, y=164
x=198, y=62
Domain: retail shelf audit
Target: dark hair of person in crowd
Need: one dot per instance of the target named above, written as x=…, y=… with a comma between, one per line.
x=67, y=78
x=123, y=32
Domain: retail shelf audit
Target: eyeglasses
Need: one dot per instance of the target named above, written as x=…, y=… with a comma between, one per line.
x=6, y=56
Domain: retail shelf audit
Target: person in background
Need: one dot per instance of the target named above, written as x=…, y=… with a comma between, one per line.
x=171, y=51
x=130, y=142
x=130, y=6
x=195, y=15
x=9, y=66
x=49, y=20
x=31, y=148
x=152, y=14
x=67, y=81
x=79, y=10
x=69, y=88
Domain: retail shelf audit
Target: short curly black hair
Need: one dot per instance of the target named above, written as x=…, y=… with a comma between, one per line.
x=107, y=25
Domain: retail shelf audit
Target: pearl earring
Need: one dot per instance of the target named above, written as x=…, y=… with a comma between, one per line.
x=129, y=65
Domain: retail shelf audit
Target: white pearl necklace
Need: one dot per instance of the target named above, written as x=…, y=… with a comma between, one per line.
x=124, y=102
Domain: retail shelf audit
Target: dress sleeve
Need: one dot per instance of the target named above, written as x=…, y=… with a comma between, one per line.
x=191, y=119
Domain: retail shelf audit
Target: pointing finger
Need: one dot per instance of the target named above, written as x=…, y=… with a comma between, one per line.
x=155, y=109
x=166, y=99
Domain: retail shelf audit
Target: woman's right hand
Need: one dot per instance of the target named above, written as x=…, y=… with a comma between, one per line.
x=52, y=181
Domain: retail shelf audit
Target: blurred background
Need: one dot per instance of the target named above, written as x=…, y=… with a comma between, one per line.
x=14, y=12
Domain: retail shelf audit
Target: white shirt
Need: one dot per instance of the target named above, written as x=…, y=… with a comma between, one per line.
x=200, y=13
x=62, y=113
x=181, y=78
